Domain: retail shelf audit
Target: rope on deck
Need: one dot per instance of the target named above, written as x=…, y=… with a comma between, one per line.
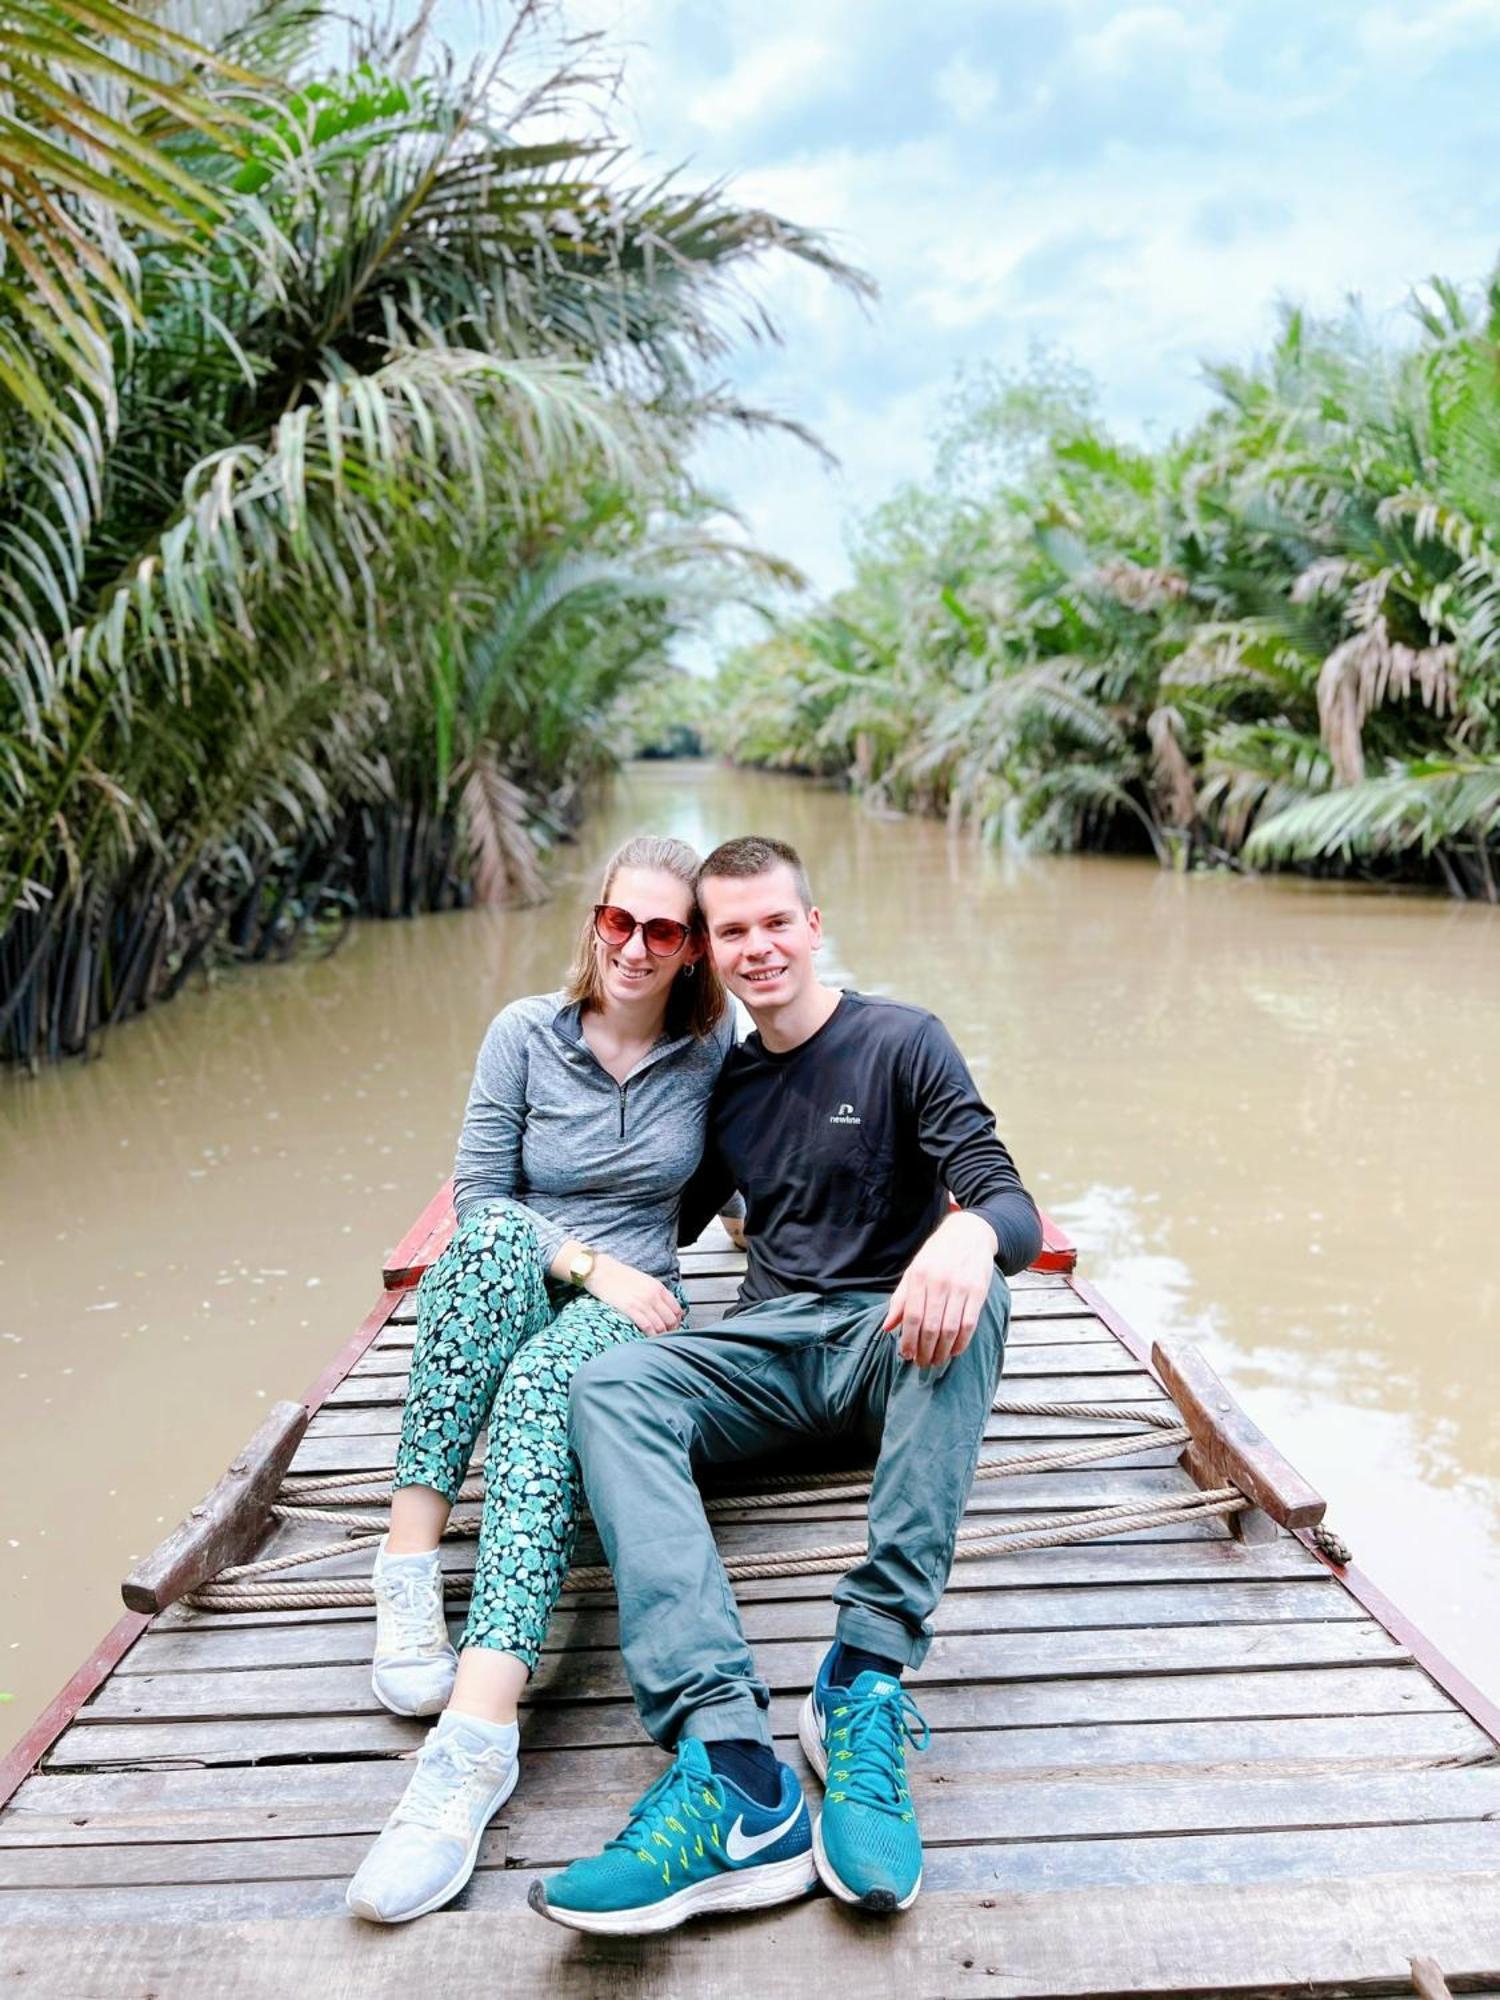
x=370, y=1489
x=249, y=1586
x=321, y=1593
x=776, y=1490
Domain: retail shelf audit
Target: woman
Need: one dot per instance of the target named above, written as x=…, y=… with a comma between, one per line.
x=585, y=1119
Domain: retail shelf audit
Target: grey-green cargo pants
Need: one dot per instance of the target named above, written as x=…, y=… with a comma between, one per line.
x=644, y=1416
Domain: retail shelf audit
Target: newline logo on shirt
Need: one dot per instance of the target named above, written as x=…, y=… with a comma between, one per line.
x=843, y=1116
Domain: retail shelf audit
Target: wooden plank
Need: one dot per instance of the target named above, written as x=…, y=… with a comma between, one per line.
x=1276, y=1854
x=543, y=1833
x=590, y=1674
x=1473, y=1700
x=1032, y=1314
x=223, y=1859
x=1071, y=1387
x=1231, y=1449
x=1207, y=1695
x=542, y=1826
x=1184, y=1565
x=1261, y=1937
x=1273, y=1854
x=1023, y=1359
x=373, y=1429
x=59, y=1712
x=1040, y=1493
x=740, y=1540
x=351, y=1353
x=241, y=1644
x=384, y=1420
x=718, y=1284
x=228, y=1524
x=353, y=1796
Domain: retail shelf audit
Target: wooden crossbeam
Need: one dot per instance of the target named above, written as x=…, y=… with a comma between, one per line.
x=1228, y=1448
x=228, y=1524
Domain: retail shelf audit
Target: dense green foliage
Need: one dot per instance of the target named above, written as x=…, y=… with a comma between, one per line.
x=1276, y=639
x=343, y=423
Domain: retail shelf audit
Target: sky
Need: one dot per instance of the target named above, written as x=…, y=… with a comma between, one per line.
x=1134, y=186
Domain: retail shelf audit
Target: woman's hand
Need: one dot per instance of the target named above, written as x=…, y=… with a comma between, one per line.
x=644, y=1300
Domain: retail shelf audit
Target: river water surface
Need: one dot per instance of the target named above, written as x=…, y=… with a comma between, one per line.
x=1269, y=1112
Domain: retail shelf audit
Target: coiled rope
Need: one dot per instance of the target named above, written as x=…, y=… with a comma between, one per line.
x=262, y=1585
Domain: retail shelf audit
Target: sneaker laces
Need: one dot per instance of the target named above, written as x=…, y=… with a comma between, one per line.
x=657, y=1829
x=446, y=1785
x=867, y=1755
x=406, y=1596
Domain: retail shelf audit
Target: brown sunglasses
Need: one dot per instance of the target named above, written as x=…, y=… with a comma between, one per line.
x=616, y=927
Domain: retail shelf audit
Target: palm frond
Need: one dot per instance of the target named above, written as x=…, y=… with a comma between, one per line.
x=1417, y=807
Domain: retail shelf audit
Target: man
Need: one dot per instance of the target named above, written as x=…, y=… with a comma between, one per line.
x=868, y=1310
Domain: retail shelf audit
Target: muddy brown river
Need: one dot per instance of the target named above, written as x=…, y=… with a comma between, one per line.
x=1269, y=1113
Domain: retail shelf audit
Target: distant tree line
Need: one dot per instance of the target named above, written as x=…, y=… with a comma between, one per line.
x=1274, y=640
x=345, y=401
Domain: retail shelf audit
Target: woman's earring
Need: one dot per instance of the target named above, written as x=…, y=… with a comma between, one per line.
x=689, y=969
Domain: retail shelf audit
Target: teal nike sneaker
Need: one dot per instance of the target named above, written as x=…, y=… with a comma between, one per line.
x=695, y=1844
x=866, y=1844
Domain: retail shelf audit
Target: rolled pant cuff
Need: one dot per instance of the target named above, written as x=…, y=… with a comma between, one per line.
x=878, y=1632
x=435, y=1478
x=738, y=1721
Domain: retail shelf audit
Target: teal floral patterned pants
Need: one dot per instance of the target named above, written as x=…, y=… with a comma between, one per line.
x=492, y=1346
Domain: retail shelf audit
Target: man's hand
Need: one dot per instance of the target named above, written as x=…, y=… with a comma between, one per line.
x=942, y=1290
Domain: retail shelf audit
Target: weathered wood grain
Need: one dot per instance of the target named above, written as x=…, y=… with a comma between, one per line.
x=1028, y=1330
x=1167, y=1697
x=1125, y=1727
x=384, y=1420
x=586, y=1674
x=237, y=1642
x=1261, y=1937
x=1272, y=1855
x=539, y=1829
x=353, y=1796
x=1103, y=1386
x=372, y=1428
x=1184, y=1565
x=1024, y=1360
x=1228, y=1447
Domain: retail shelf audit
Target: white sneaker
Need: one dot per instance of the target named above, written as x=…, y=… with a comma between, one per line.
x=415, y=1664
x=431, y=1841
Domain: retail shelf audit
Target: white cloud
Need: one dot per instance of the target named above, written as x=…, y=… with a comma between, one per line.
x=1421, y=36
x=1139, y=190
x=777, y=75
x=964, y=90
x=1131, y=38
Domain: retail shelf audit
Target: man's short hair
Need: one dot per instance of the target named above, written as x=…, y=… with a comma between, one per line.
x=757, y=854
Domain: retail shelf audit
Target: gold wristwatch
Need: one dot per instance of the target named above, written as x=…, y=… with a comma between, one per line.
x=579, y=1269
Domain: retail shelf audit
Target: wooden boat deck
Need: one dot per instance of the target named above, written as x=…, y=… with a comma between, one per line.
x=1171, y=1762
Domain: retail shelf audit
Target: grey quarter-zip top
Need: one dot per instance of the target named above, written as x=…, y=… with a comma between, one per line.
x=549, y=1131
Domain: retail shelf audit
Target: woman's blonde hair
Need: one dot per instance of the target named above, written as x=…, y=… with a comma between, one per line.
x=697, y=1000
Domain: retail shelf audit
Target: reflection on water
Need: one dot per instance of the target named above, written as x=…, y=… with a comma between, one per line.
x=1268, y=1112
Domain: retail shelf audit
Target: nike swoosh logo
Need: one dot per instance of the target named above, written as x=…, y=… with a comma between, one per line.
x=739, y=1845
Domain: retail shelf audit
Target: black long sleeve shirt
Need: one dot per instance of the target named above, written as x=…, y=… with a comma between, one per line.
x=845, y=1149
